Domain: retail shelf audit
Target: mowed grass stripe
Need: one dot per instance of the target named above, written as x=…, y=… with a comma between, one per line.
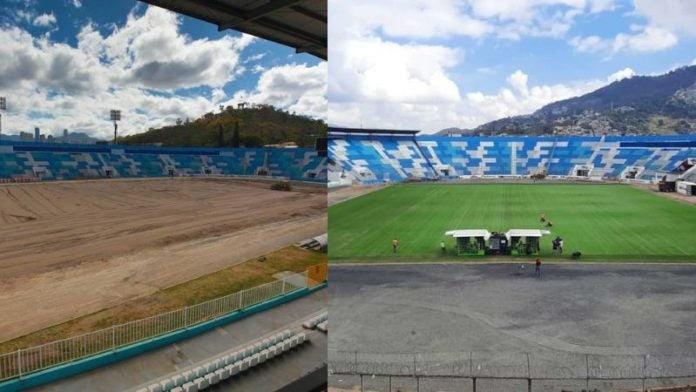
x=604, y=222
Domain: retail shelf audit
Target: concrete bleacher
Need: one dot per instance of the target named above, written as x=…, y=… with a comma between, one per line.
x=218, y=369
x=393, y=158
x=49, y=161
x=320, y=322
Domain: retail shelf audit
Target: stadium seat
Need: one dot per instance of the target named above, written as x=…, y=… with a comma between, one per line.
x=56, y=161
x=379, y=158
x=201, y=383
x=212, y=378
x=167, y=384
x=190, y=387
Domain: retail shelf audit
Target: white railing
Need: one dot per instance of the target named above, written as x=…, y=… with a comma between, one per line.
x=28, y=360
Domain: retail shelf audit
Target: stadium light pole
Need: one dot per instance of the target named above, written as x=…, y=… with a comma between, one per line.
x=3, y=106
x=115, y=116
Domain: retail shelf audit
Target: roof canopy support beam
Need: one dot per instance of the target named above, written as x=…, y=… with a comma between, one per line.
x=256, y=13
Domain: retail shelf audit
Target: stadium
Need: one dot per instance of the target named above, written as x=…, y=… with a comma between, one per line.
x=434, y=241
x=93, y=235
x=148, y=268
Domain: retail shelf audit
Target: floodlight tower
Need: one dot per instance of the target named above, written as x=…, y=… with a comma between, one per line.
x=3, y=106
x=115, y=116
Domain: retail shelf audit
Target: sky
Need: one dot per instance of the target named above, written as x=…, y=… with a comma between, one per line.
x=433, y=64
x=66, y=63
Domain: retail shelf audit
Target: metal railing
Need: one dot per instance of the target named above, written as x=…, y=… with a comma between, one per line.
x=28, y=360
x=487, y=371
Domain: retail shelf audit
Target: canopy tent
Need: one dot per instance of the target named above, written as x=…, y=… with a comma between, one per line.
x=529, y=233
x=470, y=241
x=514, y=241
x=469, y=233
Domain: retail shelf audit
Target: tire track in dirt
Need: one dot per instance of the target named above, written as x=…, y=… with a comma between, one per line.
x=78, y=256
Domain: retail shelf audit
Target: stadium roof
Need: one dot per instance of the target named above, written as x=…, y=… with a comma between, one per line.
x=300, y=24
x=336, y=130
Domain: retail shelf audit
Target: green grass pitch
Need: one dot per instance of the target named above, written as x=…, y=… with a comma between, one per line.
x=604, y=222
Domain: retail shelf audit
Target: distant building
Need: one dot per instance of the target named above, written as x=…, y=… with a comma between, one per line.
x=37, y=134
x=65, y=133
x=26, y=136
x=282, y=145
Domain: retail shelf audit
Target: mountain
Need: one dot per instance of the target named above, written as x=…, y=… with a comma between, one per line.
x=454, y=131
x=637, y=105
x=258, y=126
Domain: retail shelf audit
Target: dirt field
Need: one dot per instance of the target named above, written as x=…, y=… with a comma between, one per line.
x=338, y=195
x=72, y=248
x=670, y=195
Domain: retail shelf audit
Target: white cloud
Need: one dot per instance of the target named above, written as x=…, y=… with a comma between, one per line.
x=296, y=88
x=514, y=19
x=371, y=69
x=218, y=95
x=25, y=16
x=589, y=44
x=644, y=39
x=135, y=68
x=257, y=68
x=77, y=3
x=625, y=73
x=400, y=69
x=473, y=109
x=255, y=57
x=45, y=20
x=649, y=39
x=405, y=18
x=673, y=15
x=150, y=52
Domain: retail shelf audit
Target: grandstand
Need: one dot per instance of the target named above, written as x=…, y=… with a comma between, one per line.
x=377, y=156
x=48, y=161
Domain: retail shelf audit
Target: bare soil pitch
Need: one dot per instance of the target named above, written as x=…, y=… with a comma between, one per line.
x=72, y=248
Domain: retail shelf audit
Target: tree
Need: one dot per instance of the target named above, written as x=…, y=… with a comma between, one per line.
x=221, y=137
x=235, y=135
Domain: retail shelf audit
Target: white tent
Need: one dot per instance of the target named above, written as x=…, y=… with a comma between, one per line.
x=526, y=233
x=469, y=233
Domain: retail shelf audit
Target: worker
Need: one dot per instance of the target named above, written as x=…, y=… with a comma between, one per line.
x=395, y=245
x=537, y=268
x=442, y=247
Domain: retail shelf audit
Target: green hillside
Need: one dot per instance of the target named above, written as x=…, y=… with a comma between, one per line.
x=257, y=127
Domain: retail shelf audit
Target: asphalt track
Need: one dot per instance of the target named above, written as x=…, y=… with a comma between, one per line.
x=617, y=313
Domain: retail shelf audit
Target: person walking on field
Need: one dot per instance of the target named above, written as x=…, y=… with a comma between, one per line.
x=442, y=247
x=560, y=246
x=395, y=245
x=537, y=268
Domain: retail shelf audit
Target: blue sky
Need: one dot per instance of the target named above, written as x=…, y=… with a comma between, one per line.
x=70, y=61
x=460, y=63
